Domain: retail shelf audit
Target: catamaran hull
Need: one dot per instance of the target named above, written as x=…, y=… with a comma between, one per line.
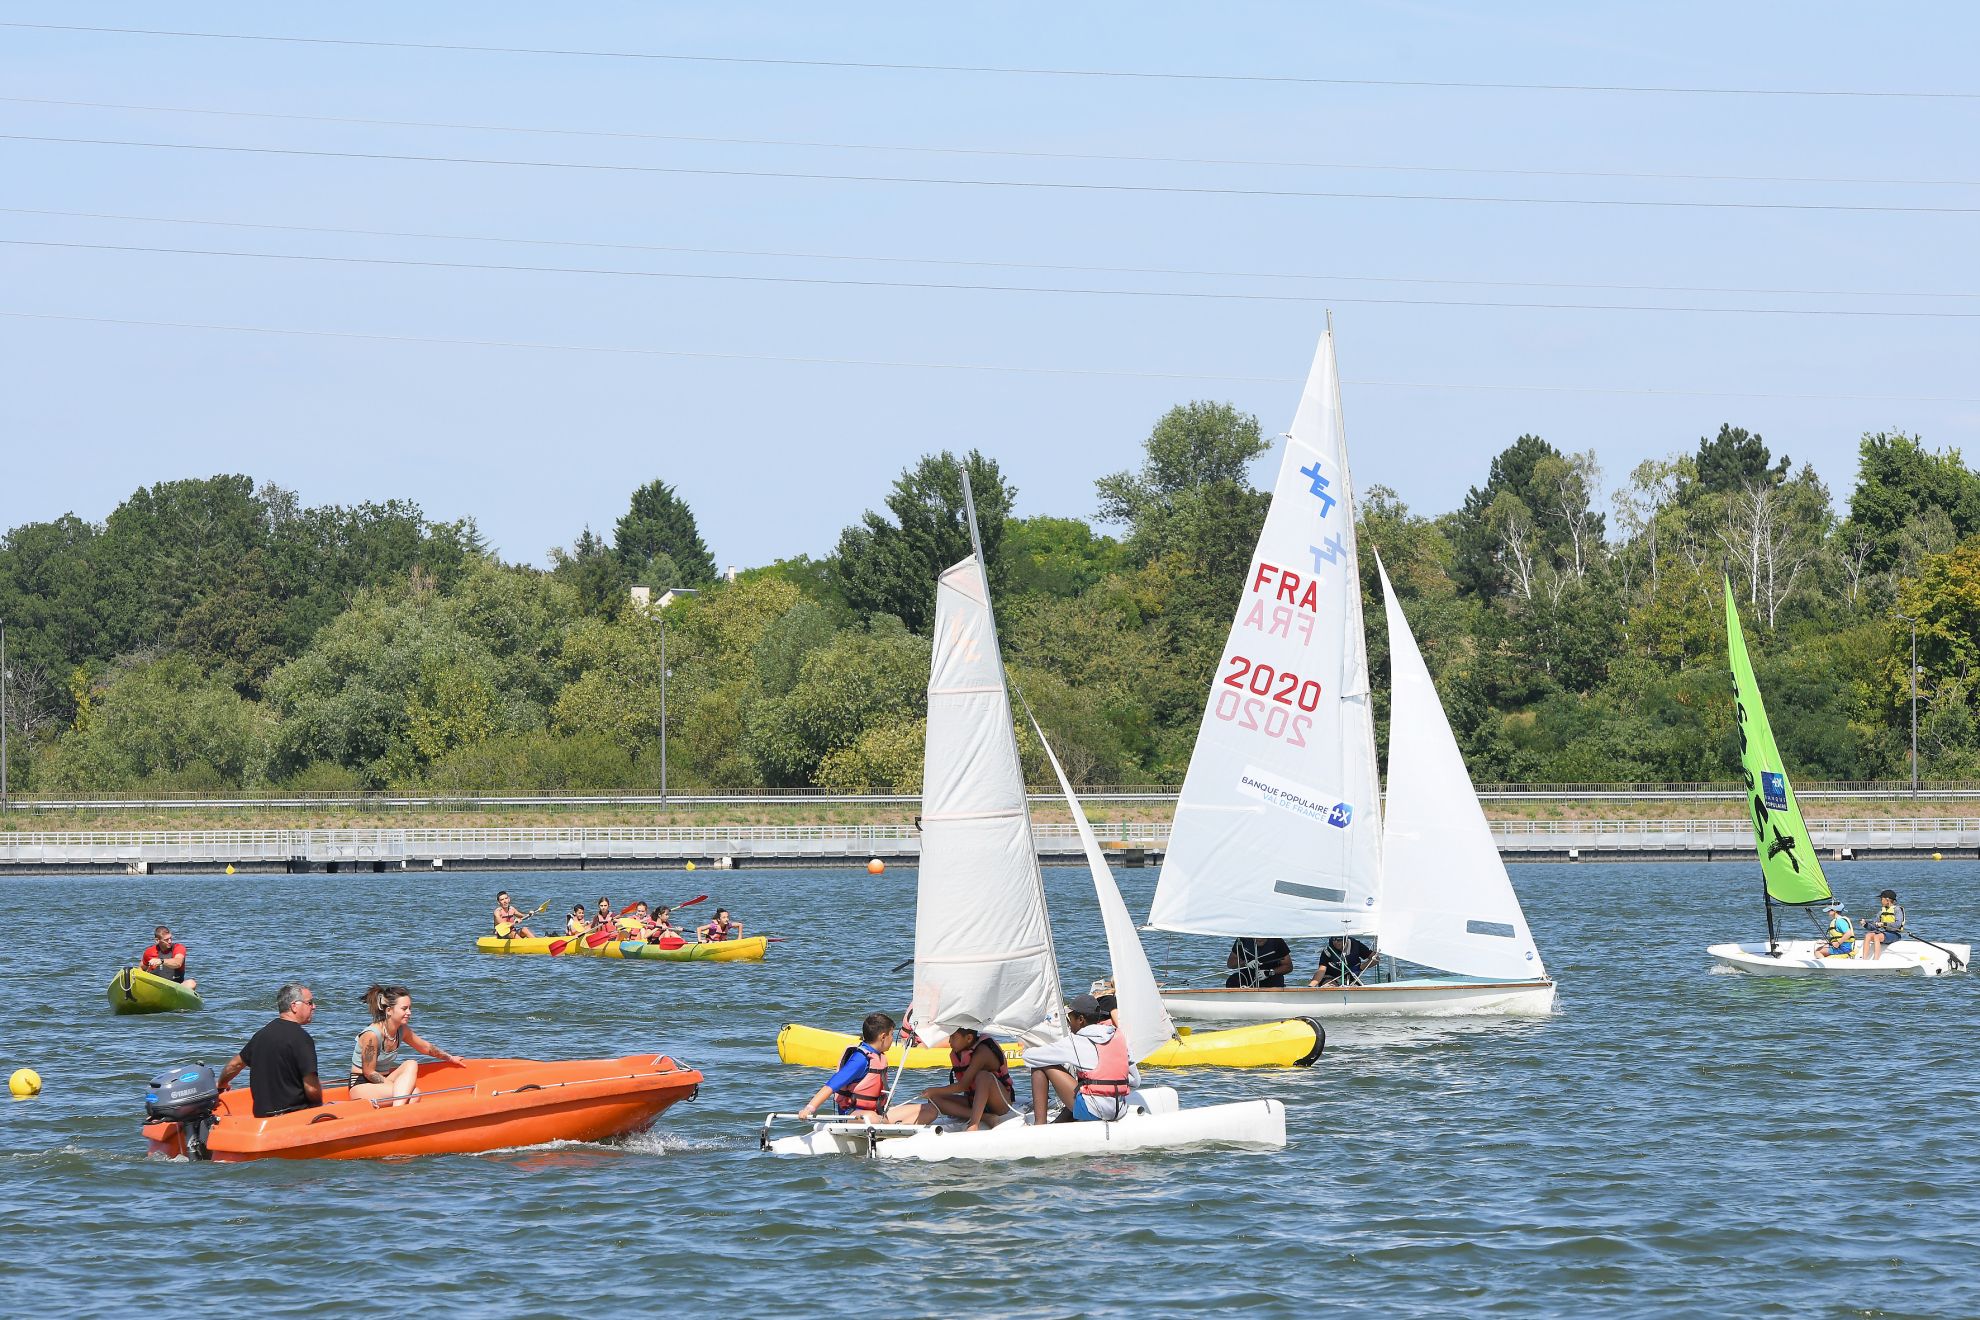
x=1798, y=958
x=1421, y=998
x=1160, y=1125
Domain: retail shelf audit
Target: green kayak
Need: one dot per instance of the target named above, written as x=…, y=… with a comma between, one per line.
x=134, y=990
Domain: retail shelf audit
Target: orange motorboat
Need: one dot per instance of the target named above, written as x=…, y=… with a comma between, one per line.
x=458, y=1109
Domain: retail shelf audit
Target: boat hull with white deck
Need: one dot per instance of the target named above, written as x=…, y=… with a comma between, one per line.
x=1798, y=958
x=1157, y=1122
x=1417, y=997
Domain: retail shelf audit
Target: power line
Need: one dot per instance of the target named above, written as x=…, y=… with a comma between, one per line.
x=994, y=368
x=1024, y=71
x=1654, y=176
x=1044, y=184
x=815, y=280
x=979, y=263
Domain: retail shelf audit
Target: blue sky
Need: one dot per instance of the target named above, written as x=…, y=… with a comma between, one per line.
x=776, y=454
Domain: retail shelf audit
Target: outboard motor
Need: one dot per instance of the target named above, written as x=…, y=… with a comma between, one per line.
x=186, y=1095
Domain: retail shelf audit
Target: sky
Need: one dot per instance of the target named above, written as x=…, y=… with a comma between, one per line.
x=780, y=345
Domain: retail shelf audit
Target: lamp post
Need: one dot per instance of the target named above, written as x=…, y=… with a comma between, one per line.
x=3, y=712
x=1914, y=703
x=663, y=711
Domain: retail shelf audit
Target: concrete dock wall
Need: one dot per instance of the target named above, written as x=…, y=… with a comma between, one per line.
x=719, y=847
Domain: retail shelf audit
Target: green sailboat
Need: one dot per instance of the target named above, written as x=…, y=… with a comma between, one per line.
x=1790, y=871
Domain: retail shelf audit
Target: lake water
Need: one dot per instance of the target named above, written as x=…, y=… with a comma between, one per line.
x=1674, y=1140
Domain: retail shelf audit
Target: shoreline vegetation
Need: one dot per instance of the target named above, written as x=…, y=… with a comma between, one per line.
x=212, y=638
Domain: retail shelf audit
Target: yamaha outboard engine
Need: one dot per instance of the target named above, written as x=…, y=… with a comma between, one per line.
x=186, y=1095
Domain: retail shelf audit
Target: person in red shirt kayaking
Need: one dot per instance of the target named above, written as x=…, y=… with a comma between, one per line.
x=723, y=927
x=167, y=958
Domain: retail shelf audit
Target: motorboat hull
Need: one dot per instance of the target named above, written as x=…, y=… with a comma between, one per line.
x=1157, y=1122
x=1420, y=997
x=1297, y=1043
x=461, y=1109
x=1798, y=958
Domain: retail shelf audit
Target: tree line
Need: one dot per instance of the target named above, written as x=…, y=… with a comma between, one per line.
x=211, y=635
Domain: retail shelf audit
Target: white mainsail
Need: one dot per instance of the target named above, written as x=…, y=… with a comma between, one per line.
x=1139, y=1002
x=1447, y=901
x=983, y=952
x=1278, y=828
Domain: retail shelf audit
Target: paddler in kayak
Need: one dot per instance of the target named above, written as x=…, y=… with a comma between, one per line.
x=377, y=1073
x=662, y=925
x=1090, y=1069
x=979, y=1084
x=509, y=919
x=859, y=1087
x=576, y=924
x=603, y=919
x=723, y=927
x=165, y=957
x=281, y=1058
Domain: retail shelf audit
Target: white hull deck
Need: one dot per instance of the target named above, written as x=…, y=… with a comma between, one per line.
x=1798, y=958
x=1418, y=997
x=1157, y=1123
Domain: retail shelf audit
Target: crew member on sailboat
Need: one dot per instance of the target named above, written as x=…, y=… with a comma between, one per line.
x=1342, y=961
x=1259, y=963
x=1841, y=934
x=860, y=1084
x=1090, y=1069
x=1888, y=924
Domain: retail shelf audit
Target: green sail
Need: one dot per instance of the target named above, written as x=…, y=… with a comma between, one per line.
x=1794, y=876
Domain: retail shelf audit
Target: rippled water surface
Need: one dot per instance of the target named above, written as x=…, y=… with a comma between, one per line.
x=1674, y=1140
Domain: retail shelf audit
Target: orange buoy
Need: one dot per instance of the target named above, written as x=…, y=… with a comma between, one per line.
x=875, y=867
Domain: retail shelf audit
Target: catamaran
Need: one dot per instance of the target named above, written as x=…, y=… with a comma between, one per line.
x=983, y=950
x=1280, y=829
x=1791, y=873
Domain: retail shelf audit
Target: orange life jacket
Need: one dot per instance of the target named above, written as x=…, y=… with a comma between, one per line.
x=959, y=1064
x=1109, y=1077
x=870, y=1091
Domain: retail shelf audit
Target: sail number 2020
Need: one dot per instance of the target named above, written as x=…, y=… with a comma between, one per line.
x=1270, y=707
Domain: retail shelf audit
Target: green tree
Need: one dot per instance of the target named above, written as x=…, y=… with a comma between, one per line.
x=862, y=680
x=599, y=577
x=1532, y=516
x=659, y=523
x=889, y=567
x=165, y=724
x=1058, y=556
x=1898, y=481
x=1736, y=458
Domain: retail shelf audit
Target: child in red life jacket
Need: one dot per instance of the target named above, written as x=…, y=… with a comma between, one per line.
x=859, y=1087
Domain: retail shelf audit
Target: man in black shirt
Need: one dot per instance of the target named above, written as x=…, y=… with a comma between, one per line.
x=281, y=1058
x=1260, y=963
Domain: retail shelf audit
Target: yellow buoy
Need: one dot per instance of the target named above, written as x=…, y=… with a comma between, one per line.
x=1937, y=857
x=875, y=867
x=230, y=868
x=690, y=866
x=24, y=1083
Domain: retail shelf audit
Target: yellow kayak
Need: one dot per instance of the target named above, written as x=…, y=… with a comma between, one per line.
x=751, y=949
x=135, y=990
x=1293, y=1043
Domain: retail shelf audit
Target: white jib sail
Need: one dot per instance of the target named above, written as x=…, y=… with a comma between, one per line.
x=1447, y=901
x=1140, y=1002
x=1278, y=830
x=982, y=939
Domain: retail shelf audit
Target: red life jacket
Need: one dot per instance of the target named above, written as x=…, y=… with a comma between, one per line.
x=870, y=1091
x=959, y=1063
x=1109, y=1077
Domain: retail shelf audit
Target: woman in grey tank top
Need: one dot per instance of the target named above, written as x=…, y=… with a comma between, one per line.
x=376, y=1071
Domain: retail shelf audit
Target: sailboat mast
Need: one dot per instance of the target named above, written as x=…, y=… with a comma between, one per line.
x=1360, y=622
x=1010, y=730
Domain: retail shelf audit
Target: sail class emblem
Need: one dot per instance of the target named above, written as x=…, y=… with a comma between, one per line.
x=1773, y=790
x=1340, y=815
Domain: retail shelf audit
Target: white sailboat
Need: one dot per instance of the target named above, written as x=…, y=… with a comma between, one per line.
x=983, y=938
x=1791, y=873
x=1280, y=831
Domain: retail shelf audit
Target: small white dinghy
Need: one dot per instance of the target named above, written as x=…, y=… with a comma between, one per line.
x=1154, y=1120
x=1791, y=872
x=983, y=952
x=1903, y=957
